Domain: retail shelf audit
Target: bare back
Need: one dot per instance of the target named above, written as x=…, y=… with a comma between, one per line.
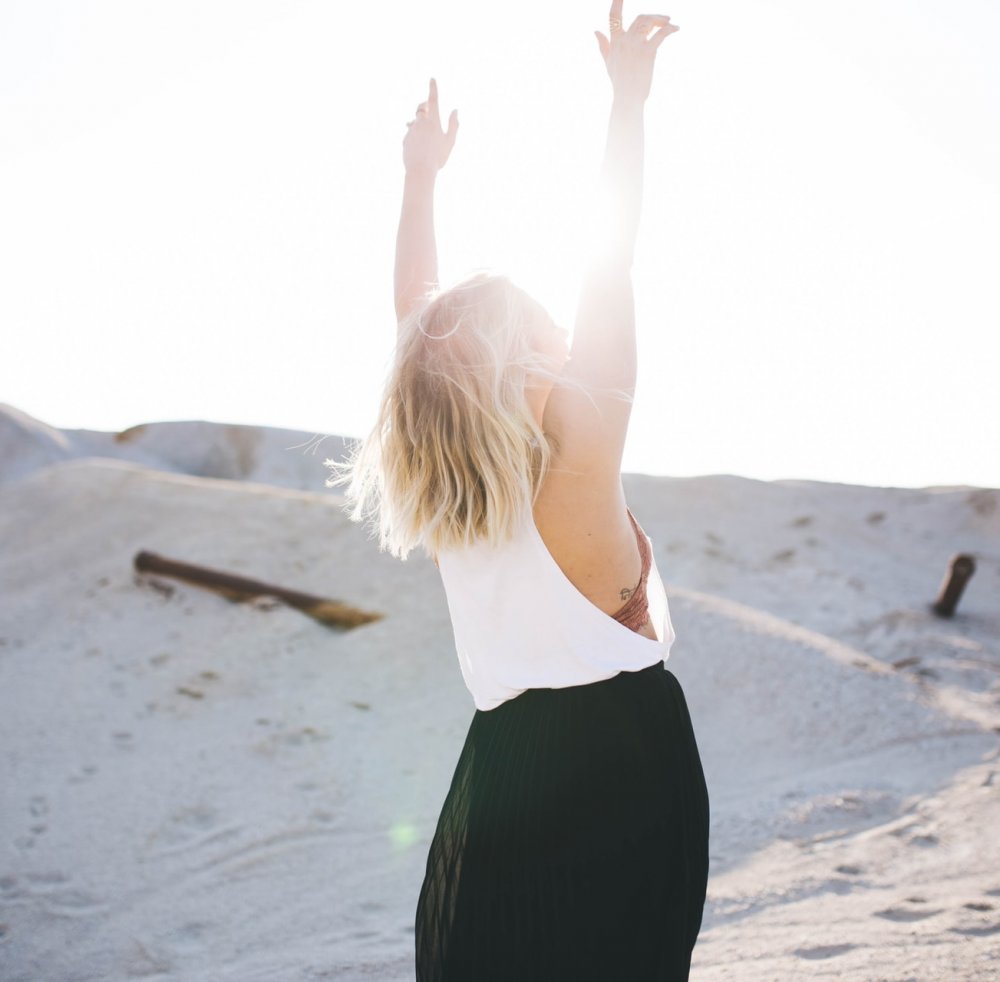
x=583, y=522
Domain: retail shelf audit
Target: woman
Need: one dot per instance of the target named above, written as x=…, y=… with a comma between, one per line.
x=573, y=841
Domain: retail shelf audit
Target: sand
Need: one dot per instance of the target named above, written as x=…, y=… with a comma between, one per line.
x=196, y=789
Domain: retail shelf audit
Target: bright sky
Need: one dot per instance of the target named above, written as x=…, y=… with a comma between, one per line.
x=198, y=206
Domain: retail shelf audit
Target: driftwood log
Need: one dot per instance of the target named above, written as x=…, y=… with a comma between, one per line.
x=960, y=571
x=240, y=588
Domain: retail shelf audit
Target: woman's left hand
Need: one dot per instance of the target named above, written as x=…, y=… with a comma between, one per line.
x=426, y=147
x=629, y=54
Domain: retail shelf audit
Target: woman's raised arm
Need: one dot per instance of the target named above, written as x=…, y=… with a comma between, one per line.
x=603, y=355
x=426, y=149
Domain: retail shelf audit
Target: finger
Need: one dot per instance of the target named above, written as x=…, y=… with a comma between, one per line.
x=452, y=130
x=432, y=98
x=645, y=23
x=660, y=36
x=663, y=27
x=615, y=14
x=603, y=44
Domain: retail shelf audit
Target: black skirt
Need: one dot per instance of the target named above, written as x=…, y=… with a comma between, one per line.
x=573, y=841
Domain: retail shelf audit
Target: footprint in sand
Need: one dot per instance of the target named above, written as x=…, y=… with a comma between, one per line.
x=979, y=930
x=823, y=951
x=277, y=742
x=900, y=913
x=73, y=903
x=916, y=835
x=985, y=931
x=57, y=895
x=89, y=770
x=10, y=888
x=38, y=807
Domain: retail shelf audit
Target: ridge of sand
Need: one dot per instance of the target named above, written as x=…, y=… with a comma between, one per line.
x=230, y=451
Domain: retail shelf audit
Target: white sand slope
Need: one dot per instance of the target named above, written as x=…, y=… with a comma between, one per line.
x=199, y=790
x=288, y=458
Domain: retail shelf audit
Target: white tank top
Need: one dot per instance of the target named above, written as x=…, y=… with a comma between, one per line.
x=519, y=623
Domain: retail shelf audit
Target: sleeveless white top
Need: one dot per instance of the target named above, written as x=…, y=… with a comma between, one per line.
x=519, y=623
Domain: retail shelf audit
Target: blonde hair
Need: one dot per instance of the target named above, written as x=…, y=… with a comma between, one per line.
x=456, y=453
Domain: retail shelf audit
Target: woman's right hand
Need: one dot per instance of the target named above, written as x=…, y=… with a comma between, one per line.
x=426, y=147
x=629, y=54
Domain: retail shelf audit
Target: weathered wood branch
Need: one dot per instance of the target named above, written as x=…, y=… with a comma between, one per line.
x=241, y=588
x=961, y=568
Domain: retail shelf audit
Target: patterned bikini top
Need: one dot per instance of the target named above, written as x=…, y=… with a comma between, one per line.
x=635, y=611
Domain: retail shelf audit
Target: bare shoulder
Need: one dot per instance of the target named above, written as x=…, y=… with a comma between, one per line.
x=589, y=424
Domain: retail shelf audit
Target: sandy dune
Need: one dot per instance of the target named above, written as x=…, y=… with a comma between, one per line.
x=199, y=790
x=288, y=458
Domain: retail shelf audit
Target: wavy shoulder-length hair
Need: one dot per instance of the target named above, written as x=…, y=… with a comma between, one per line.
x=455, y=454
